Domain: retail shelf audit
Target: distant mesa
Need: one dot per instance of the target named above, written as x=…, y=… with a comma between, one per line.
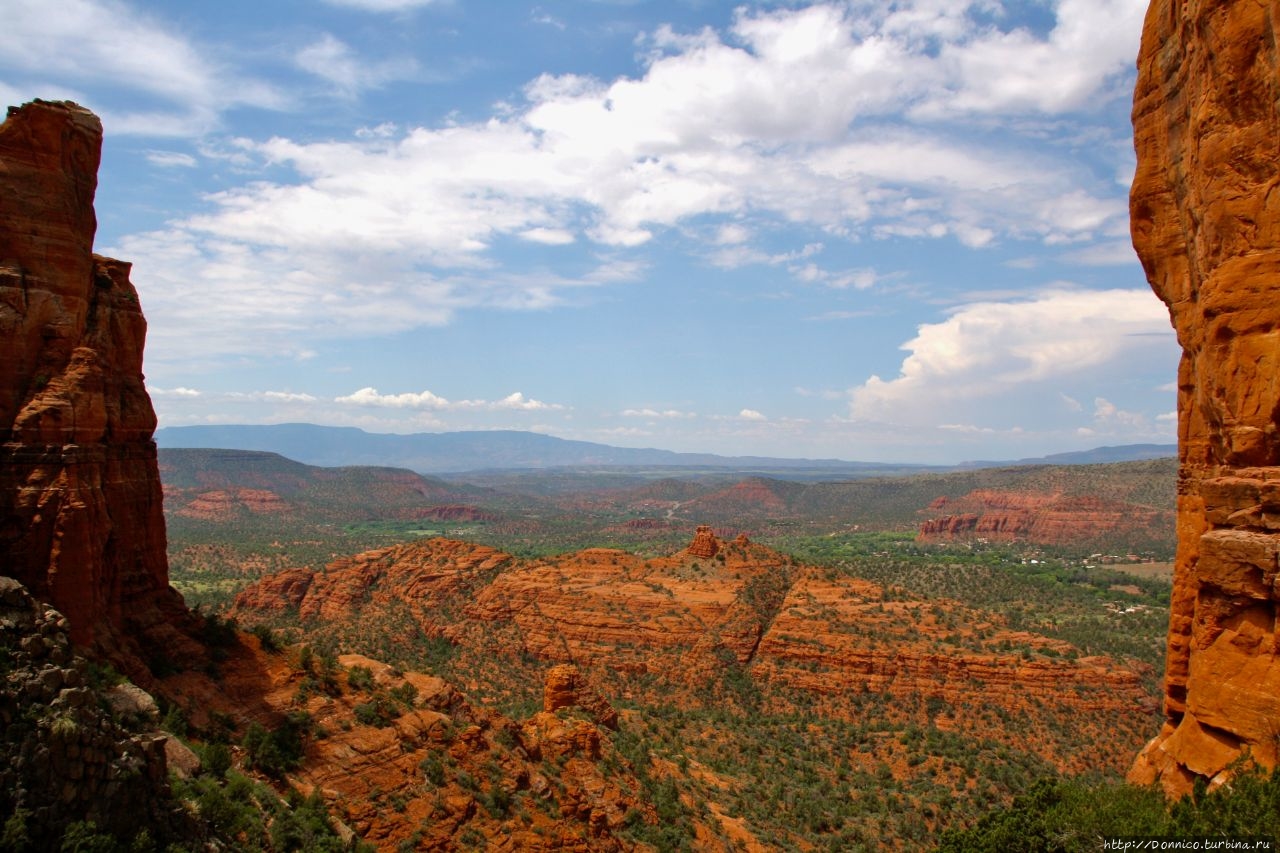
x=1036, y=518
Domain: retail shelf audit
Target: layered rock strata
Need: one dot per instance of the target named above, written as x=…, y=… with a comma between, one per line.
x=1043, y=519
x=670, y=628
x=81, y=523
x=1205, y=209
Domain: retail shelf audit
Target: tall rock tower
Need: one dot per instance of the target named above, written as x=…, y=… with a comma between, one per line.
x=1205, y=212
x=81, y=522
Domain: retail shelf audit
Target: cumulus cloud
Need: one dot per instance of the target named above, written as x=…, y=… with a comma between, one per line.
x=172, y=392
x=655, y=413
x=751, y=415
x=519, y=402
x=995, y=71
x=984, y=350
x=1108, y=415
x=427, y=400
x=850, y=120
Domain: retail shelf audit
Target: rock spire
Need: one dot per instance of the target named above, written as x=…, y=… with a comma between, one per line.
x=81, y=522
x=1205, y=212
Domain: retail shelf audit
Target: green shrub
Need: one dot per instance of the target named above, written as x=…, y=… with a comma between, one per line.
x=360, y=678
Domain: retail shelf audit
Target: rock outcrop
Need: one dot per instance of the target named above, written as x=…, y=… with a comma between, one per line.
x=70, y=752
x=1041, y=519
x=81, y=523
x=704, y=543
x=567, y=688
x=1205, y=210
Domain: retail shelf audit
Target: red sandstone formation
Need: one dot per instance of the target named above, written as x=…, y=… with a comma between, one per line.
x=223, y=505
x=454, y=512
x=704, y=543
x=80, y=499
x=676, y=623
x=1205, y=215
x=435, y=767
x=1042, y=519
x=567, y=688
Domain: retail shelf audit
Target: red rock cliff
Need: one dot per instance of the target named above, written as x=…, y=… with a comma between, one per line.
x=1205, y=213
x=80, y=500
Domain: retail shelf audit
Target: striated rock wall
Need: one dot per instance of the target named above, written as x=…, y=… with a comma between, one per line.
x=1205, y=211
x=1044, y=519
x=81, y=523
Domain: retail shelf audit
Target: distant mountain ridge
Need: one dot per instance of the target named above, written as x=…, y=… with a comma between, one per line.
x=452, y=452
x=1096, y=456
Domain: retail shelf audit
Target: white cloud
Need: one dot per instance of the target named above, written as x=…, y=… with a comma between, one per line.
x=827, y=118
x=427, y=400
x=991, y=349
x=519, y=402
x=333, y=60
x=1108, y=415
x=993, y=71
x=548, y=236
x=371, y=397
x=266, y=397
x=654, y=413
x=732, y=233
x=168, y=159
x=751, y=415
x=288, y=397
x=172, y=392
x=92, y=41
x=858, y=279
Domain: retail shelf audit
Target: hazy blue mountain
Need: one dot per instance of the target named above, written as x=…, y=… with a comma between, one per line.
x=462, y=451
x=443, y=452
x=1096, y=456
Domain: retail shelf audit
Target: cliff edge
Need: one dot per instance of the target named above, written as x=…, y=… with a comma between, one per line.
x=1205, y=211
x=81, y=522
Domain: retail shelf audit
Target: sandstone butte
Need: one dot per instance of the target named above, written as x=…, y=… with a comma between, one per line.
x=1205, y=213
x=81, y=523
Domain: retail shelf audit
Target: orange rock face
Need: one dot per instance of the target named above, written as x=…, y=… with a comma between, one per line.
x=1043, y=519
x=80, y=498
x=567, y=688
x=704, y=543
x=1205, y=215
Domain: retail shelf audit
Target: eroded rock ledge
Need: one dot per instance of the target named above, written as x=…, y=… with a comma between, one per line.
x=1205, y=211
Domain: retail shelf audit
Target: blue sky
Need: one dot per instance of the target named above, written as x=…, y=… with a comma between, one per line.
x=866, y=230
